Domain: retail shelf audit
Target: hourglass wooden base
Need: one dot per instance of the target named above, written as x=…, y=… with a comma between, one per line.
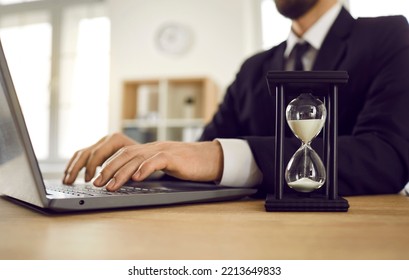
x=305, y=203
x=323, y=84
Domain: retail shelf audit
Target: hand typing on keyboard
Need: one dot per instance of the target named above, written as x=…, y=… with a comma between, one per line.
x=123, y=159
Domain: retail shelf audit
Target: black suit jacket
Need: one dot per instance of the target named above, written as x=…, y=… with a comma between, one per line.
x=373, y=107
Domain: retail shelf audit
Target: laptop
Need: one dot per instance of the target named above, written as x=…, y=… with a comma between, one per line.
x=22, y=181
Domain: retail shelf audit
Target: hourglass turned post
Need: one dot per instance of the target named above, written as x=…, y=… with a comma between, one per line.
x=330, y=137
x=313, y=109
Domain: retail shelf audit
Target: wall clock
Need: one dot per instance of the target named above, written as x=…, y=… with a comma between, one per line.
x=174, y=38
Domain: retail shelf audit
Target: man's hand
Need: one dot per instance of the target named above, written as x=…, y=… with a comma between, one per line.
x=94, y=156
x=124, y=159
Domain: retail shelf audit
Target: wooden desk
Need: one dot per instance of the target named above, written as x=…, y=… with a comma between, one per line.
x=376, y=227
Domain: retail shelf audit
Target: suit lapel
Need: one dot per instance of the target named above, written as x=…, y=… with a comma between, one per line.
x=277, y=61
x=334, y=46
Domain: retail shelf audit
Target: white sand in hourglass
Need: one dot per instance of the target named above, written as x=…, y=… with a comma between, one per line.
x=306, y=130
x=305, y=185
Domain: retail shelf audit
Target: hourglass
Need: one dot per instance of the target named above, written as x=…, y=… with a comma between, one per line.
x=311, y=182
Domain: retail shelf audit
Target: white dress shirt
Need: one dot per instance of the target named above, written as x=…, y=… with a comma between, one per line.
x=240, y=168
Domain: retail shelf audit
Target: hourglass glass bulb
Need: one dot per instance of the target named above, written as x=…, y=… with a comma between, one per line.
x=305, y=172
x=306, y=116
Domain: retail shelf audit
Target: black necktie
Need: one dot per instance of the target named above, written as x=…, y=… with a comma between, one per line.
x=299, y=51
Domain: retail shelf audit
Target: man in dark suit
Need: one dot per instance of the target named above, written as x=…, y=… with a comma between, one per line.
x=373, y=111
x=373, y=107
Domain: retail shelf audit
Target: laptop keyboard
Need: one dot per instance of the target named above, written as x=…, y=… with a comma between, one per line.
x=89, y=190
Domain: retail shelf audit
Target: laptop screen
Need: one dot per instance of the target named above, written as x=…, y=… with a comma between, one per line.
x=18, y=167
x=10, y=144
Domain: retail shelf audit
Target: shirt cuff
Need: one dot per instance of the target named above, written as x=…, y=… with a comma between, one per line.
x=240, y=168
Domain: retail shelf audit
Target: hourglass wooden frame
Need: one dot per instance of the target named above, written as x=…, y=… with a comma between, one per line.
x=324, y=85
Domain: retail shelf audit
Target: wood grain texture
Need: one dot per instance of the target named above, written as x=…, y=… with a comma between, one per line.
x=376, y=227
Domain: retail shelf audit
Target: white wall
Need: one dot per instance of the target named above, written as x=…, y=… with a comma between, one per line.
x=225, y=33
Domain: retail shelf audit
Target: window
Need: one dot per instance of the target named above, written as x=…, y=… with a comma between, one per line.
x=369, y=8
x=84, y=79
x=30, y=68
x=275, y=27
x=58, y=54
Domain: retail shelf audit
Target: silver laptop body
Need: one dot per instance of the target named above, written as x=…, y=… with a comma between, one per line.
x=21, y=179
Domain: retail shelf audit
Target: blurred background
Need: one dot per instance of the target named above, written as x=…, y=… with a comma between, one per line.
x=155, y=69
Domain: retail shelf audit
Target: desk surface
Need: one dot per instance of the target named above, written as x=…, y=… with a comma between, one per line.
x=376, y=227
